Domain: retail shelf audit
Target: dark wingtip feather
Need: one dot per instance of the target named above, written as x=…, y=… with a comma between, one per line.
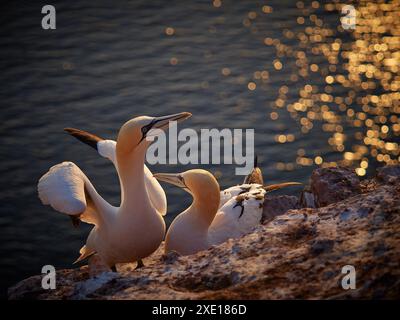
x=84, y=136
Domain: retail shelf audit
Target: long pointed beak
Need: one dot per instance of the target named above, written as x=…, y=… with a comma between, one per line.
x=163, y=122
x=171, y=178
x=277, y=186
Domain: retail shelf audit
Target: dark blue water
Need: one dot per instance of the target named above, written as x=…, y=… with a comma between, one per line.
x=109, y=61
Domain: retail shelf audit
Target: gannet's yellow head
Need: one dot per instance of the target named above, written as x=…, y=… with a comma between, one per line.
x=199, y=181
x=134, y=132
x=201, y=184
x=194, y=181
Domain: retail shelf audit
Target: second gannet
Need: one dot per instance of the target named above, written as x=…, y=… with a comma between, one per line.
x=214, y=216
x=121, y=234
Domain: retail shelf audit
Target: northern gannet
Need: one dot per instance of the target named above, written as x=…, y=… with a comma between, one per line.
x=121, y=234
x=214, y=216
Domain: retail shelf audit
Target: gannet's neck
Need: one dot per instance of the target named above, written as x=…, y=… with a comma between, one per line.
x=134, y=196
x=205, y=205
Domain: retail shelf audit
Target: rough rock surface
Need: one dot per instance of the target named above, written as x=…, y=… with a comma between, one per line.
x=330, y=185
x=388, y=174
x=277, y=205
x=299, y=254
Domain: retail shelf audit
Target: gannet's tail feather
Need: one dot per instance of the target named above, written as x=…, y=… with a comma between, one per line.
x=277, y=186
x=65, y=188
x=255, y=176
x=107, y=149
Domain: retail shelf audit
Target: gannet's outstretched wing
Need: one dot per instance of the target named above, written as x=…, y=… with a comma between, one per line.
x=239, y=215
x=106, y=148
x=67, y=189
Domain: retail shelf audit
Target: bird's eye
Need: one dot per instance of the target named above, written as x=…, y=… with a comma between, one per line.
x=145, y=129
x=182, y=180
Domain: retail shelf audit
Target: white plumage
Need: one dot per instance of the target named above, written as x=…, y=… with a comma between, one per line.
x=234, y=191
x=67, y=189
x=106, y=149
x=62, y=187
x=240, y=211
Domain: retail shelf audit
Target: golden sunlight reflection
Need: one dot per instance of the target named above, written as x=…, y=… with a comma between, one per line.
x=357, y=95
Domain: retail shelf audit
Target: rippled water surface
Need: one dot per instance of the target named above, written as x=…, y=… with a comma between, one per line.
x=314, y=93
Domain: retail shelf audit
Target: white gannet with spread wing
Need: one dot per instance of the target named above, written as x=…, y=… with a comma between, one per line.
x=121, y=234
x=214, y=216
x=107, y=149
